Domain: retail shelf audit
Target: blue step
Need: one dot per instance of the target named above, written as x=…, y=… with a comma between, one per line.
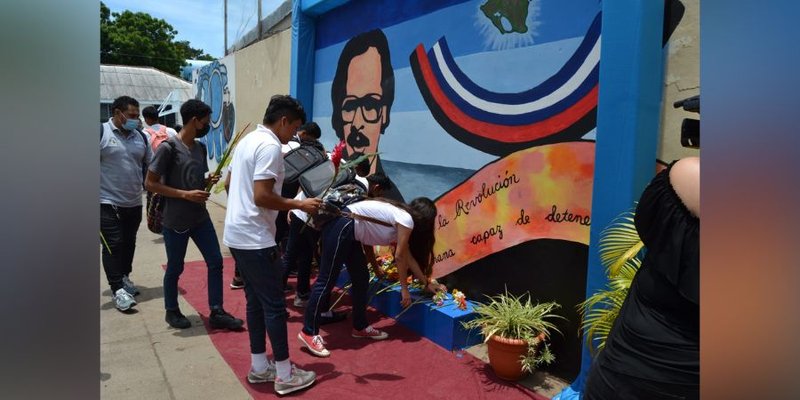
x=439, y=324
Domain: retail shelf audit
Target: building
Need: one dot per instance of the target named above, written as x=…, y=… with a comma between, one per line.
x=147, y=85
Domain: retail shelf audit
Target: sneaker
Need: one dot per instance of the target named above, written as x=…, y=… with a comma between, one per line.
x=336, y=317
x=299, y=380
x=177, y=320
x=267, y=376
x=370, y=332
x=315, y=344
x=123, y=300
x=237, y=283
x=129, y=287
x=220, y=319
x=300, y=302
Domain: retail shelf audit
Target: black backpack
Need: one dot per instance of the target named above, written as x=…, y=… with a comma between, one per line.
x=301, y=159
x=334, y=202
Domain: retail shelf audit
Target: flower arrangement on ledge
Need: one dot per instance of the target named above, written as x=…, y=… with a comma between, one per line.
x=387, y=277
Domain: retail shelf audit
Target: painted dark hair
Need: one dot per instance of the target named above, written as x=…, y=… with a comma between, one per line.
x=356, y=46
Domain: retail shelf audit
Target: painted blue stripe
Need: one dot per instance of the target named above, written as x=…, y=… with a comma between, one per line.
x=515, y=120
x=317, y=7
x=301, y=79
x=542, y=90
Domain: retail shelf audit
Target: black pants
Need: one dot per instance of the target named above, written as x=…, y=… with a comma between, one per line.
x=300, y=247
x=605, y=384
x=118, y=226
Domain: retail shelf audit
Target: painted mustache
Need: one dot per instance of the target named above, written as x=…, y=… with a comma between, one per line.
x=356, y=139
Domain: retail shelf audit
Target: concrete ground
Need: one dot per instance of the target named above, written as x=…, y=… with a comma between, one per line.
x=142, y=357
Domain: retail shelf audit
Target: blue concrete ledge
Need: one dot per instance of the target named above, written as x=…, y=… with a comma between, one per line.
x=440, y=324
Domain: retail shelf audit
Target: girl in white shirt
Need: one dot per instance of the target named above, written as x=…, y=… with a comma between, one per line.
x=409, y=227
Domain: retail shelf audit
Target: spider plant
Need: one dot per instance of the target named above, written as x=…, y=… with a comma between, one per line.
x=516, y=317
x=620, y=251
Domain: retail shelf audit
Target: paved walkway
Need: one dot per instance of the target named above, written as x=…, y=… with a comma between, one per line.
x=142, y=357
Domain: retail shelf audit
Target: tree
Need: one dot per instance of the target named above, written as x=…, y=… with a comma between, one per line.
x=130, y=38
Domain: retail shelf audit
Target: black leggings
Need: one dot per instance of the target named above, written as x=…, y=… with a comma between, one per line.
x=605, y=384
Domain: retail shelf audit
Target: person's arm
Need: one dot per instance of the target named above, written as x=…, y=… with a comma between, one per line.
x=405, y=262
x=264, y=197
x=153, y=184
x=369, y=252
x=228, y=182
x=685, y=179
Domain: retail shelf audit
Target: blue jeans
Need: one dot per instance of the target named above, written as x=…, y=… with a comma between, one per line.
x=205, y=237
x=339, y=246
x=262, y=273
x=300, y=246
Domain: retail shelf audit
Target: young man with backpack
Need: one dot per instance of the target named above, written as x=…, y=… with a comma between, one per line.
x=124, y=155
x=181, y=161
x=256, y=179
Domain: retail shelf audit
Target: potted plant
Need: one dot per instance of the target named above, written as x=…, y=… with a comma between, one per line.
x=516, y=332
x=620, y=250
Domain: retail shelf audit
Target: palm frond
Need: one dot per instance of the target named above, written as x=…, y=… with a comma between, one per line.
x=619, y=242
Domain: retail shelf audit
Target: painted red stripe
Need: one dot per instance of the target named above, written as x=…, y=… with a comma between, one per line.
x=498, y=132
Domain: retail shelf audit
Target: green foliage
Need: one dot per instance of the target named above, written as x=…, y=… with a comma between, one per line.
x=620, y=253
x=138, y=39
x=517, y=317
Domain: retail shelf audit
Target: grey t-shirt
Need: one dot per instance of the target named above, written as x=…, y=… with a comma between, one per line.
x=184, y=169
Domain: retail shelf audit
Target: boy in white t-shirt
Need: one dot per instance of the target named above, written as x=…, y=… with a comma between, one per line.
x=409, y=227
x=256, y=178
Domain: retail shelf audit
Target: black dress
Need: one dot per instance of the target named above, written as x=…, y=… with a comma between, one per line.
x=652, y=351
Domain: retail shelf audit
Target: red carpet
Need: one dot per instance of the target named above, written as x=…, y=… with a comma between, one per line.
x=405, y=366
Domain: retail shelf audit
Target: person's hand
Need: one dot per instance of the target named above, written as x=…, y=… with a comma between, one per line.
x=377, y=270
x=311, y=205
x=405, y=297
x=213, y=179
x=196, y=196
x=434, y=287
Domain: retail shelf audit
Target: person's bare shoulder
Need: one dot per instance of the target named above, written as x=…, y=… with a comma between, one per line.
x=685, y=179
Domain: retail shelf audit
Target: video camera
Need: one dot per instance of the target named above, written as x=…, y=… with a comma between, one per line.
x=690, y=128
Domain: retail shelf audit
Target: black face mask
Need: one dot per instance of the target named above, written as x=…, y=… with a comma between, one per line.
x=204, y=131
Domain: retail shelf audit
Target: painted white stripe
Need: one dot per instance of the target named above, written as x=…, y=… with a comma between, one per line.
x=517, y=109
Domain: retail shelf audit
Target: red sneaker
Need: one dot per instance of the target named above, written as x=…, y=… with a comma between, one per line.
x=315, y=344
x=371, y=333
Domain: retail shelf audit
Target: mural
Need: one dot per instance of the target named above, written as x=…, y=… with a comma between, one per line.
x=213, y=84
x=492, y=105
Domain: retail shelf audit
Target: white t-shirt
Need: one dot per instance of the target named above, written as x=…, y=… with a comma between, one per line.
x=298, y=212
x=372, y=234
x=257, y=157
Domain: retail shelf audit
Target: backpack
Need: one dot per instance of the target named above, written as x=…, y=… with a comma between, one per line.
x=301, y=159
x=157, y=136
x=334, y=202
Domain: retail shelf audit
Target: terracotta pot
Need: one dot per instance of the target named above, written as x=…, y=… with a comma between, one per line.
x=504, y=356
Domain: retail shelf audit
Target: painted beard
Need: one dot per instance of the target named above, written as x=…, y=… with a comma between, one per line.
x=356, y=139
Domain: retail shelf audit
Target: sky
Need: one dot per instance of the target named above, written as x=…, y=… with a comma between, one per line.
x=201, y=22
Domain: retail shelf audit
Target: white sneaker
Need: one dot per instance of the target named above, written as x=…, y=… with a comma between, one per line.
x=298, y=302
x=267, y=376
x=299, y=380
x=123, y=300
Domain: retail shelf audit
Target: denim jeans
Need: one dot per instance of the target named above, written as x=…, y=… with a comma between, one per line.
x=118, y=226
x=300, y=247
x=205, y=238
x=339, y=246
x=262, y=273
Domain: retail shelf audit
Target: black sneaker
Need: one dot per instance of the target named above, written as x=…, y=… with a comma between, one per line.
x=220, y=319
x=177, y=320
x=237, y=283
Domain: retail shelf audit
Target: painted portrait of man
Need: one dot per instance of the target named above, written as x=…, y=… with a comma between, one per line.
x=362, y=94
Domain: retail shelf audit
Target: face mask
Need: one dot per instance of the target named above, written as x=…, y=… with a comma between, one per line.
x=204, y=131
x=130, y=123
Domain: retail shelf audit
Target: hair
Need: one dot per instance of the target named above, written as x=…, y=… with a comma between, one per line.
x=381, y=180
x=281, y=105
x=194, y=108
x=312, y=129
x=178, y=127
x=122, y=103
x=423, y=213
x=150, y=113
x=356, y=46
